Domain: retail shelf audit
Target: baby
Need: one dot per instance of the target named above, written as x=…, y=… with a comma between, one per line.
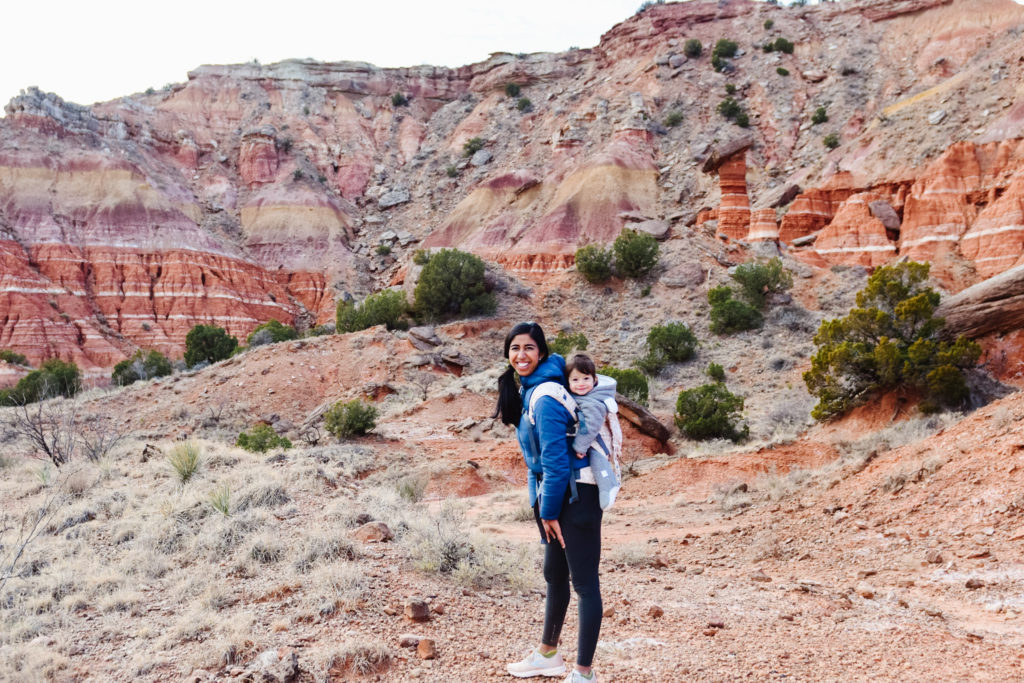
x=598, y=434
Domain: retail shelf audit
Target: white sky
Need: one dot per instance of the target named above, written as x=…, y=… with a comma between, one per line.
x=94, y=51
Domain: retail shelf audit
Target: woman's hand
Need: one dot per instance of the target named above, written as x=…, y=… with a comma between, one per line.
x=553, y=531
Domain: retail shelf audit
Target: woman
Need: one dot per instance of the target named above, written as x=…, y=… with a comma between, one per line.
x=567, y=510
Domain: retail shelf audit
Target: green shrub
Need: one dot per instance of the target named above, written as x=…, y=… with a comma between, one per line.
x=820, y=116
x=355, y=418
x=451, y=171
x=524, y=104
x=594, y=263
x=675, y=342
x=759, y=279
x=768, y=23
x=185, y=459
x=717, y=63
x=782, y=71
x=742, y=120
x=142, y=365
x=53, y=378
x=563, y=344
x=889, y=341
x=296, y=175
x=383, y=249
x=780, y=44
x=636, y=254
x=208, y=343
x=420, y=257
x=388, y=308
x=512, y=89
x=673, y=119
x=716, y=372
x=262, y=438
x=271, y=332
x=725, y=48
x=671, y=343
x=629, y=382
x=399, y=100
x=730, y=315
x=710, y=412
x=692, y=48
x=729, y=108
x=10, y=356
x=831, y=140
x=730, y=89
x=451, y=284
x=647, y=4
x=472, y=146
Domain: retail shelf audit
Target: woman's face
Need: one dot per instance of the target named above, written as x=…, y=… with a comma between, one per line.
x=523, y=354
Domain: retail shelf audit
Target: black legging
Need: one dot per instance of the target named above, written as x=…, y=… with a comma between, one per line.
x=581, y=528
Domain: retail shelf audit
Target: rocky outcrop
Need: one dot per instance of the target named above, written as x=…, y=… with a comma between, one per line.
x=995, y=305
x=265, y=188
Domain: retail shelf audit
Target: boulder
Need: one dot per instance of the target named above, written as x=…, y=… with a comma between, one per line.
x=684, y=275
x=393, y=198
x=659, y=230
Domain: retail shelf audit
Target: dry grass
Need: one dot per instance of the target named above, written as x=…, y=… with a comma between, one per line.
x=358, y=657
x=632, y=555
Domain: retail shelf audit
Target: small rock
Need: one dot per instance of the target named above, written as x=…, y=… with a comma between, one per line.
x=865, y=590
x=409, y=640
x=710, y=631
x=716, y=623
x=481, y=157
x=814, y=75
x=937, y=116
x=426, y=649
x=438, y=608
x=933, y=557
x=609, y=611
x=972, y=584
x=760, y=577
x=883, y=211
x=676, y=61
x=416, y=609
x=655, y=612
x=373, y=532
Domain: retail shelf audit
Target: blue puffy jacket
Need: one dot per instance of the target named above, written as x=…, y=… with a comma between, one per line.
x=555, y=459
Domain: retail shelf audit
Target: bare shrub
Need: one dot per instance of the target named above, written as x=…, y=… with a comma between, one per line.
x=48, y=426
x=632, y=555
x=17, y=533
x=333, y=587
x=262, y=496
x=315, y=549
x=97, y=437
x=359, y=658
x=267, y=549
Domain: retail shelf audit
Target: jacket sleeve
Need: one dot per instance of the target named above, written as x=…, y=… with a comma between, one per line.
x=590, y=424
x=552, y=426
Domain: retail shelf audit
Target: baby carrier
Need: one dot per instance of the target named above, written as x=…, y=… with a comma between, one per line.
x=606, y=448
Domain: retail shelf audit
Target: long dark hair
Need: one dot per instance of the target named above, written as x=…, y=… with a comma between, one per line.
x=510, y=406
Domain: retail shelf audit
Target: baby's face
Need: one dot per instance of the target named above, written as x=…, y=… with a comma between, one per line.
x=580, y=383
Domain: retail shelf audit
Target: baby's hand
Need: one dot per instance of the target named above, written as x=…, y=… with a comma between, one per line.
x=581, y=455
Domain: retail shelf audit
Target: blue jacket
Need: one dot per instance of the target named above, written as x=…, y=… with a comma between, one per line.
x=555, y=461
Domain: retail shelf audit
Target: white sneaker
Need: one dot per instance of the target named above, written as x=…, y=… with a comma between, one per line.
x=537, y=664
x=576, y=677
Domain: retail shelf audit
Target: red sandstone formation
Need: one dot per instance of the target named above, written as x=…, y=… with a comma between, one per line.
x=254, y=191
x=734, y=211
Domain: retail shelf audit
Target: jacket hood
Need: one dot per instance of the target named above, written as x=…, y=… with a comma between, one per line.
x=551, y=369
x=604, y=389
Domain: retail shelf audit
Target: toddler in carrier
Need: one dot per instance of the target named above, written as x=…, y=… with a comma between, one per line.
x=598, y=433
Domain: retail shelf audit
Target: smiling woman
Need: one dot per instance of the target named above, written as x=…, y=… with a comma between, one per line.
x=532, y=396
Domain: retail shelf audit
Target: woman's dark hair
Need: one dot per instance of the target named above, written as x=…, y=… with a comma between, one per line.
x=583, y=364
x=510, y=405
